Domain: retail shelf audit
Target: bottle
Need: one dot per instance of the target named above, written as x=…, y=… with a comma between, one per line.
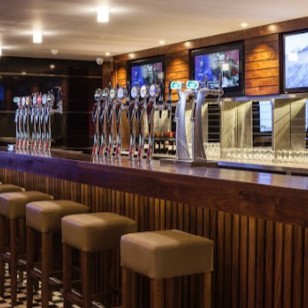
x=156, y=146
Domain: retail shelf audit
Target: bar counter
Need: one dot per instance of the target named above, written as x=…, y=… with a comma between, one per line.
x=259, y=194
x=258, y=220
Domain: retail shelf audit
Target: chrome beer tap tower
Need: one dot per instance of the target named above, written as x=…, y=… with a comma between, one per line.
x=197, y=92
x=141, y=108
x=131, y=115
x=198, y=151
x=33, y=120
x=120, y=106
x=155, y=103
x=96, y=114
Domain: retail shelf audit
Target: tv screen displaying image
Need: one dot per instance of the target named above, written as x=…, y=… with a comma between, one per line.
x=295, y=58
x=221, y=63
x=146, y=72
x=266, y=112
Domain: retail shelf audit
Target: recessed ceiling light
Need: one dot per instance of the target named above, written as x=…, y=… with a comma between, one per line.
x=103, y=14
x=187, y=44
x=107, y=54
x=54, y=51
x=272, y=27
x=244, y=24
x=131, y=55
x=37, y=36
x=52, y=66
x=161, y=42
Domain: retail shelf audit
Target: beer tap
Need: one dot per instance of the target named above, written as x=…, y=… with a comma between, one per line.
x=96, y=113
x=35, y=117
x=198, y=152
x=155, y=94
x=142, y=105
x=22, y=118
x=39, y=117
x=49, y=104
x=44, y=117
x=121, y=94
x=182, y=152
x=133, y=96
x=17, y=100
x=103, y=122
x=110, y=120
x=32, y=124
x=27, y=121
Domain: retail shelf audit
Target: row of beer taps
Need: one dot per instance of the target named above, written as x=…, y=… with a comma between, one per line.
x=33, y=120
x=139, y=103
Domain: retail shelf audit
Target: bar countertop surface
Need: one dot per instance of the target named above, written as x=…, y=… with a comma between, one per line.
x=253, y=193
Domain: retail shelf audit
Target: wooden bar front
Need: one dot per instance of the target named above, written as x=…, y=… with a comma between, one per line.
x=258, y=221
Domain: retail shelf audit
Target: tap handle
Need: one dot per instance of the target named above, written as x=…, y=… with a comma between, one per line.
x=169, y=99
x=128, y=95
x=193, y=111
x=161, y=91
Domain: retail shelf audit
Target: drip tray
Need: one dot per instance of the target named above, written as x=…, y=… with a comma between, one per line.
x=191, y=163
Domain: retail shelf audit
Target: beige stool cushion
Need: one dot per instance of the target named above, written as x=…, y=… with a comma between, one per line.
x=166, y=254
x=13, y=204
x=45, y=216
x=10, y=188
x=95, y=231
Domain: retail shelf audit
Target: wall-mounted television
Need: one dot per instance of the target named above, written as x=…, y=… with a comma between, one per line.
x=223, y=61
x=295, y=61
x=146, y=71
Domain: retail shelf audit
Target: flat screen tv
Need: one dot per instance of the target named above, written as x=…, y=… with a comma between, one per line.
x=223, y=61
x=295, y=61
x=146, y=71
x=265, y=108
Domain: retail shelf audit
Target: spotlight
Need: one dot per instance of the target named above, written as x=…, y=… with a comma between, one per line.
x=103, y=14
x=37, y=37
x=99, y=61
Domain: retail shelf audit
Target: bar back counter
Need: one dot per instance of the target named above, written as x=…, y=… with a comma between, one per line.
x=257, y=220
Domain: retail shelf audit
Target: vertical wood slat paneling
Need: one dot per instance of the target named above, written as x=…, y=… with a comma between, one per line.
x=298, y=266
x=287, y=269
x=278, y=266
x=251, y=273
x=243, y=261
x=260, y=263
x=257, y=263
x=235, y=261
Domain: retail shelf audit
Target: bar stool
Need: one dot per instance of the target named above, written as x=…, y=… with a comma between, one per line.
x=89, y=233
x=44, y=217
x=12, y=214
x=159, y=255
x=10, y=188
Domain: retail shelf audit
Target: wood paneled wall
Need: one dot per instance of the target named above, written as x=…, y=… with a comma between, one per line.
x=262, y=65
x=258, y=263
x=262, y=55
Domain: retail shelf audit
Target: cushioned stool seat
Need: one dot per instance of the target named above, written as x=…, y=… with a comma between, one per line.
x=45, y=217
x=10, y=188
x=13, y=210
x=165, y=254
x=89, y=233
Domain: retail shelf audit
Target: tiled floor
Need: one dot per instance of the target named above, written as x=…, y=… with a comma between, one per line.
x=57, y=300
x=22, y=297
